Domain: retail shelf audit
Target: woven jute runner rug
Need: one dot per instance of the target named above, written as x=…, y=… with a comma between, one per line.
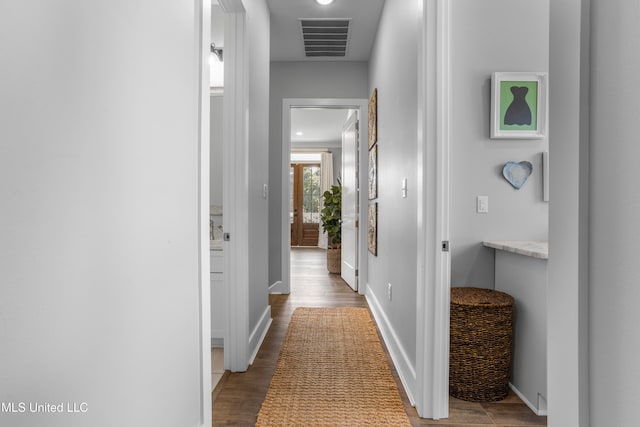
x=332, y=371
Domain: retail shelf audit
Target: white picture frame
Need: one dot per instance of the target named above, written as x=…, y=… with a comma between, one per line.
x=519, y=105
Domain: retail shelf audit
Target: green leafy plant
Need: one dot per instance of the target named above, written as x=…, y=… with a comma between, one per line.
x=331, y=215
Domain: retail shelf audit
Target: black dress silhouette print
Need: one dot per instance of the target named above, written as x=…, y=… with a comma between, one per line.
x=518, y=113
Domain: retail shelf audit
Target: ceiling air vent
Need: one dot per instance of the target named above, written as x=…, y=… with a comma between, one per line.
x=325, y=37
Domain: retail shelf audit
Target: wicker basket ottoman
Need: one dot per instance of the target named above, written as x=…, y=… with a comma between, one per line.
x=480, y=345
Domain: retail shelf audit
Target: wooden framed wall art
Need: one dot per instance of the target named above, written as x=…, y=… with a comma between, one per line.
x=373, y=172
x=373, y=118
x=372, y=221
x=373, y=228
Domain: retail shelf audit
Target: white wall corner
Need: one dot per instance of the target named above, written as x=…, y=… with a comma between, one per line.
x=259, y=332
x=406, y=371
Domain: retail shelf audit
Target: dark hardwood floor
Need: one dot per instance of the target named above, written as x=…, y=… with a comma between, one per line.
x=238, y=396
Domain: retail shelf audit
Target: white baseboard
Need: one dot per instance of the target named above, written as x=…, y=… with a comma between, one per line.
x=542, y=412
x=217, y=342
x=276, y=288
x=258, y=334
x=398, y=354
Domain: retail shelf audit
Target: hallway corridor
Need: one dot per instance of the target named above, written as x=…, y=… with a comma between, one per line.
x=237, y=398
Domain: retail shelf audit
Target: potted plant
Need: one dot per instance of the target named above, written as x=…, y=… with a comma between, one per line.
x=331, y=217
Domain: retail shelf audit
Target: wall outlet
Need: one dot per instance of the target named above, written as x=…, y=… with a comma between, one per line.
x=265, y=191
x=482, y=204
x=389, y=291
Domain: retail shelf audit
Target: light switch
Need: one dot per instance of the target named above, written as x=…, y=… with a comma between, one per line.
x=482, y=204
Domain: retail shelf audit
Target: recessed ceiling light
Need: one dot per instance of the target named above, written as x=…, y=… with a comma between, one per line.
x=299, y=133
x=324, y=2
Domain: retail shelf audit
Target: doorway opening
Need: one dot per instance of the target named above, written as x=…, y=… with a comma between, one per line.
x=298, y=137
x=216, y=179
x=305, y=200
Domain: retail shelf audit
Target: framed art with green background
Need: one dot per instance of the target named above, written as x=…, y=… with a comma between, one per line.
x=519, y=105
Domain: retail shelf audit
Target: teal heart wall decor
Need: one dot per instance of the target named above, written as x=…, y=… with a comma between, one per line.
x=517, y=173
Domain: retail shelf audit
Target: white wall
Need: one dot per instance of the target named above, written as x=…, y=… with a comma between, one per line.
x=99, y=225
x=301, y=80
x=488, y=36
x=567, y=291
x=396, y=43
x=614, y=213
x=593, y=241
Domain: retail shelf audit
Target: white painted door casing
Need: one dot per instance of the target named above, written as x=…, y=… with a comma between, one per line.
x=287, y=104
x=350, y=191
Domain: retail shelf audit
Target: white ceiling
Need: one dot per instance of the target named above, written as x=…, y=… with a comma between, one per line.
x=320, y=127
x=286, y=36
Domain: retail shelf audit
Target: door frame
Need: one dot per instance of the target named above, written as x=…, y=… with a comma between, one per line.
x=433, y=261
x=235, y=202
x=284, y=285
x=203, y=26
x=351, y=125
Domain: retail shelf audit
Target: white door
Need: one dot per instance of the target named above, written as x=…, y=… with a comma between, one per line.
x=350, y=202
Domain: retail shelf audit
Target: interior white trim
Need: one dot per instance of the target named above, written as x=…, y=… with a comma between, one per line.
x=401, y=360
x=283, y=286
x=443, y=260
x=347, y=103
x=235, y=181
x=434, y=130
x=259, y=332
x=310, y=150
x=203, y=25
